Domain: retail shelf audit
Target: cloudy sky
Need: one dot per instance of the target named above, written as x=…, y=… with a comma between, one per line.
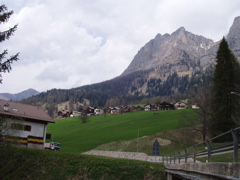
x=70, y=43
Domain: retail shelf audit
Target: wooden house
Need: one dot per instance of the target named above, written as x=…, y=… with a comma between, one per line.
x=180, y=105
x=23, y=125
x=166, y=106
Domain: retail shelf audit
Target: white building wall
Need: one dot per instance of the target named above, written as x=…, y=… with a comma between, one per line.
x=37, y=129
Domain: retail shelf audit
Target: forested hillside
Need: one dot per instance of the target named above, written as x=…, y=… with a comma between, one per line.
x=119, y=91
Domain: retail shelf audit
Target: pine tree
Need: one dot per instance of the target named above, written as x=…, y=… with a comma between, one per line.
x=5, y=63
x=224, y=79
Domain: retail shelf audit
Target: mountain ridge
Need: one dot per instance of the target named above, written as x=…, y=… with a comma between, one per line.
x=166, y=48
x=19, y=96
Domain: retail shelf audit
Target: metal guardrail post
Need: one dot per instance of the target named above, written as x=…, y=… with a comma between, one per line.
x=209, y=149
x=185, y=150
x=194, y=154
x=174, y=158
x=179, y=158
x=224, y=148
x=235, y=145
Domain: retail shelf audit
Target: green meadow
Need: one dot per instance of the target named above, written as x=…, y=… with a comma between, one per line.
x=76, y=137
x=23, y=163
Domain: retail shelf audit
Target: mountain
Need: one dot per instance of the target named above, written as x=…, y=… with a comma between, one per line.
x=233, y=36
x=168, y=65
x=182, y=50
x=19, y=96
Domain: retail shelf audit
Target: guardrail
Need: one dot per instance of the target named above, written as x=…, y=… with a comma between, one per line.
x=208, y=148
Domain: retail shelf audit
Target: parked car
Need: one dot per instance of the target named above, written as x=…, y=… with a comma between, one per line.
x=54, y=146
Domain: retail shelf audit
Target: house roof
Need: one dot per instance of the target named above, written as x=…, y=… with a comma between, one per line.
x=165, y=103
x=24, y=111
x=180, y=102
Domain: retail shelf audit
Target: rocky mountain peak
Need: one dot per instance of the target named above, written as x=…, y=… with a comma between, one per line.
x=233, y=36
x=236, y=22
x=169, y=49
x=180, y=35
x=179, y=31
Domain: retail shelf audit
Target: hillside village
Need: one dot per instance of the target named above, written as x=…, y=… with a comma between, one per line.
x=96, y=111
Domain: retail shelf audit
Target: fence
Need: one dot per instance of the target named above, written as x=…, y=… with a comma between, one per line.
x=208, y=148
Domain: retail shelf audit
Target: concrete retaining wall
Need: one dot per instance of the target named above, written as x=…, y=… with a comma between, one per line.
x=206, y=170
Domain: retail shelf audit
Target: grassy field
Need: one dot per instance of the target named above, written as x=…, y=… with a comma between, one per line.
x=111, y=132
x=104, y=132
x=76, y=137
x=23, y=163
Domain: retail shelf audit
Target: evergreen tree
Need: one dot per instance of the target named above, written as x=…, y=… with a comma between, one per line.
x=225, y=79
x=5, y=64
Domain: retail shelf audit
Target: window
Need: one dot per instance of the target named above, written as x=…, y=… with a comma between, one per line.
x=48, y=136
x=21, y=127
x=27, y=128
x=17, y=126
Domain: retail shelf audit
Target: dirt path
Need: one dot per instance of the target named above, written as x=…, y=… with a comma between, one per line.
x=126, y=155
x=129, y=155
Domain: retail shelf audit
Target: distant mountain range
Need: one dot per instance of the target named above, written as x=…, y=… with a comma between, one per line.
x=167, y=65
x=19, y=96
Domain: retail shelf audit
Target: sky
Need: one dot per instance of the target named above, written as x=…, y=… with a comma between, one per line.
x=70, y=43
